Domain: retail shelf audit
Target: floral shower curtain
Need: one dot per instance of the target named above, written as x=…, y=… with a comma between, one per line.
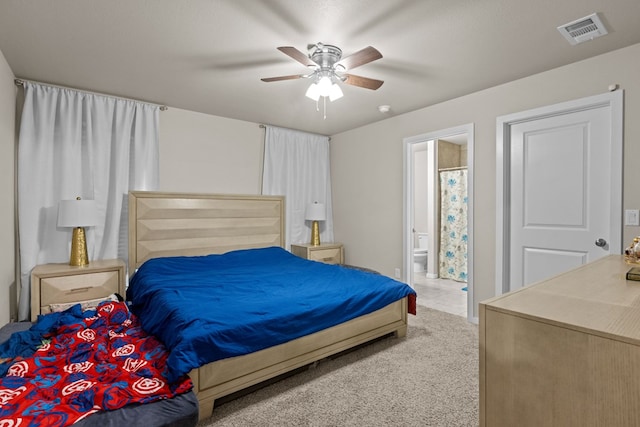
x=453, y=222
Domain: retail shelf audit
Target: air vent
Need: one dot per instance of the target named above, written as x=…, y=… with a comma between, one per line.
x=583, y=30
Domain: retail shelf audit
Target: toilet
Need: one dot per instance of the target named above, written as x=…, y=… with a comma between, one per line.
x=420, y=253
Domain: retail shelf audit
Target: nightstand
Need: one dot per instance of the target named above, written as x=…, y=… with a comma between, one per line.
x=330, y=253
x=63, y=283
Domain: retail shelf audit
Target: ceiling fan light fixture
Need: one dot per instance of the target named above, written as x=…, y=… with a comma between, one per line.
x=335, y=92
x=313, y=92
x=324, y=85
x=329, y=69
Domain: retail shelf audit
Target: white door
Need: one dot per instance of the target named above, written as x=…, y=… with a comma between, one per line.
x=562, y=168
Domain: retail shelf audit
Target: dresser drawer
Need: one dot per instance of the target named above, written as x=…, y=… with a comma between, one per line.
x=328, y=255
x=78, y=287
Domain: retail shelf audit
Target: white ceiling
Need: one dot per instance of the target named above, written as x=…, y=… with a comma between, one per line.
x=209, y=55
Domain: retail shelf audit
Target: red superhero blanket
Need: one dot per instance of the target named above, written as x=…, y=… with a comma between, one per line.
x=90, y=364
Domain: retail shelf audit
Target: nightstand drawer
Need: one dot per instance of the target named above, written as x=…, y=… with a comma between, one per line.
x=330, y=253
x=78, y=288
x=329, y=256
x=64, y=284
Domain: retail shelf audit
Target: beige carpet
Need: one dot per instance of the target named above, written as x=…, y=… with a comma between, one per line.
x=429, y=378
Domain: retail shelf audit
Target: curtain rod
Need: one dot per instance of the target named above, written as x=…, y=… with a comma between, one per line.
x=20, y=82
x=452, y=169
x=261, y=126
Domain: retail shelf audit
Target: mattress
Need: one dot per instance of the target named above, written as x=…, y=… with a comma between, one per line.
x=180, y=411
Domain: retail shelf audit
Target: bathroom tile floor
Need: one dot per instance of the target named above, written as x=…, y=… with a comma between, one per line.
x=441, y=294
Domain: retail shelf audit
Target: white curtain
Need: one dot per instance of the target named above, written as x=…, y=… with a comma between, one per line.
x=296, y=165
x=77, y=144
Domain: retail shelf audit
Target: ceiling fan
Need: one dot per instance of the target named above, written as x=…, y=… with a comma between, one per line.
x=329, y=68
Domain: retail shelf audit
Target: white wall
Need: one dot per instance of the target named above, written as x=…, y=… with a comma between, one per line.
x=7, y=207
x=208, y=154
x=367, y=162
x=421, y=211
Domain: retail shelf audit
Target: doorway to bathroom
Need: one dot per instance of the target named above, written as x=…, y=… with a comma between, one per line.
x=438, y=219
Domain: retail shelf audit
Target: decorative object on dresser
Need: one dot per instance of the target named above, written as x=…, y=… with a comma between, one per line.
x=315, y=212
x=633, y=274
x=330, y=253
x=564, y=351
x=78, y=214
x=60, y=283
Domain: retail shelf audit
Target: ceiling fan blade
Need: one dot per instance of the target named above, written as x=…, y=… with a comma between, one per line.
x=364, y=82
x=297, y=55
x=277, y=79
x=361, y=57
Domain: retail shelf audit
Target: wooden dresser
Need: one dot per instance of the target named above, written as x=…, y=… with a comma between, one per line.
x=563, y=352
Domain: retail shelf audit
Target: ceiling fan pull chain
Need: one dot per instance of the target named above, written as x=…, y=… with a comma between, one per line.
x=325, y=108
x=324, y=102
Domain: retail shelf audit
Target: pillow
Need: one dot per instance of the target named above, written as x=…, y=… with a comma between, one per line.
x=89, y=304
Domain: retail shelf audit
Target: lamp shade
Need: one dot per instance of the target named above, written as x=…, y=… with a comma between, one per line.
x=324, y=85
x=313, y=92
x=316, y=212
x=335, y=92
x=77, y=213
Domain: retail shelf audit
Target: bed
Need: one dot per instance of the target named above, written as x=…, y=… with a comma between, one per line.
x=180, y=225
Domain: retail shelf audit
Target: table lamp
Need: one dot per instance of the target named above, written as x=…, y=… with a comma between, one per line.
x=78, y=214
x=315, y=212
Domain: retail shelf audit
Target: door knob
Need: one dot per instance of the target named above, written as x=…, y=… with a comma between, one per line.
x=601, y=242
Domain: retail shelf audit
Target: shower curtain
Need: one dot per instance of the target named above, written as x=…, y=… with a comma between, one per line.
x=453, y=225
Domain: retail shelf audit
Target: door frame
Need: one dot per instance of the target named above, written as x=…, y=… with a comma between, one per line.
x=407, y=216
x=615, y=102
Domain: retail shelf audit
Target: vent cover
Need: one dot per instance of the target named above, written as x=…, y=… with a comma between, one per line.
x=583, y=30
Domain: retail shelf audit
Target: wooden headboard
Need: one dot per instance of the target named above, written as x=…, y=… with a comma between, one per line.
x=185, y=224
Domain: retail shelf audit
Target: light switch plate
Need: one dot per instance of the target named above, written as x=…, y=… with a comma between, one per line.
x=631, y=217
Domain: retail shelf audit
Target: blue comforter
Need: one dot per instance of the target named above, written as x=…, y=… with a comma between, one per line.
x=213, y=307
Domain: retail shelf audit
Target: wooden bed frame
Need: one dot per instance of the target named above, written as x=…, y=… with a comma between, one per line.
x=174, y=224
